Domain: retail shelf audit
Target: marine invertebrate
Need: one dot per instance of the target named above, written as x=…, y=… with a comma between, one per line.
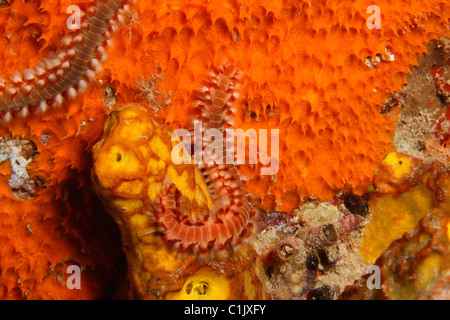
x=408, y=185
x=204, y=284
x=309, y=253
x=422, y=129
x=436, y=150
x=228, y=222
x=396, y=173
x=417, y=266
x=301, y=64
x=443, y=86
x=134, y=175
x=151, y=94
x=65, y=73
x=305, y=73
x=47, y=227
x=394, y=215
x=60, y=222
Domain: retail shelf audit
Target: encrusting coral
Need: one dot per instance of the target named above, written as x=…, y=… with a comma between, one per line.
x=313, y=70
x=310, y=253
x=401, y=199
x=417, y=266
x=411, y=182
x=132, y=167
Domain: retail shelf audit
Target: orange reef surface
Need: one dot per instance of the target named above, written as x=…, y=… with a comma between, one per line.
x=312, y=69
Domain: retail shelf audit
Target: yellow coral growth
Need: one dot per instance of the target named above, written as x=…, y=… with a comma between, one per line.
x=391, y=217
x=400, y=164
x=137, y=160
x=131, y=163
x=415, y=267
x=205, y=284
x=396, y=174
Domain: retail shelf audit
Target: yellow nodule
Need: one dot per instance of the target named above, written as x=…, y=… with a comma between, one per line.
x=153, y=189
x=137, y=132
x=391, y=217
x=140, y=220
x=401, y=165
x=129, y=189
x=128, y=205
x=206, y=284
x=156, y=165
x=428, y=270
x=159, y=148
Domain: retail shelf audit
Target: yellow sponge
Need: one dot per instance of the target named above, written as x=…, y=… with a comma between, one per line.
x=205, y=284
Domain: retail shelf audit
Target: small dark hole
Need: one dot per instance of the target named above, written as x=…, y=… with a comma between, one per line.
x=189, y=288
x=321, y=293
x=312, y=262
x=356, y=204
x=325, y=260
x=202, y=289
